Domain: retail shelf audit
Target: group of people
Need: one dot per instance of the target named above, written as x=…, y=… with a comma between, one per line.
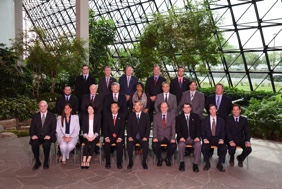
x=175, y=109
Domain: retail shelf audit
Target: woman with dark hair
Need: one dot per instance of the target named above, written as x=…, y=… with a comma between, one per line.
x=142, y=97
x=67, y=132
x=91, y=125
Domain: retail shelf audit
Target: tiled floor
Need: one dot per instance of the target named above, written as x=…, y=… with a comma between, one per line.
x=265, y=171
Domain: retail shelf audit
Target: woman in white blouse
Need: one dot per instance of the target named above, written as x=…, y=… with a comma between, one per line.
x=67, y=132
x=91, y=125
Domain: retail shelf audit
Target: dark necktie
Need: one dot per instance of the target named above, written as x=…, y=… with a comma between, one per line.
x=85, y=78
x=213, y=127
x=187, y=120
x=155, y=81
x=138, y=119
x=164, y=121
x=92, y=99
x=165, y=98
x=43, y=119
x=180, y=83
x=237, y=122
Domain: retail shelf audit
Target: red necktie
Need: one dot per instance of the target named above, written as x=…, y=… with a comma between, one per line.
x=115, y=120
x=163, y=121
x=155, y=81
x=92, y=99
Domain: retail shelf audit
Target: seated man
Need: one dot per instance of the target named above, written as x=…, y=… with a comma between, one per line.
x=164, y=133
x=188, y=131
x=238, y=134
x=138, y=131
x=213, y=134
x=113, y=133
x=42, y=131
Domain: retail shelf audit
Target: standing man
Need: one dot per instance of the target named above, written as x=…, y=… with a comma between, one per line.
x=67, y=98
x=128, y=84
x=104, y=85
x=195, y=98
x=188, y=131
x=238, y=134
x=223, y=102
x=42, y=131
x=179, y=84
x=154, y=87
x=94, y=99
x=164, y=133
x=114, y=133
x=138, y=131
x=83, y=82
x=213, y=134
x=115, y=96
x=166, y=96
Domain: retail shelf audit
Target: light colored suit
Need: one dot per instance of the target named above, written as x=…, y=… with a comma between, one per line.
x=171, y=101
x=67, y=147
x=198, y=102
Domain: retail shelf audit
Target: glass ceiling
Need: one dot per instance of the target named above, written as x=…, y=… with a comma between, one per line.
x=252, y=50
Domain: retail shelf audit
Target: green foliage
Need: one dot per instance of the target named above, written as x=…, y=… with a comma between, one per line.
x=101, y=34
x=20, y=107
x=15, y=80
x=20, y=133
x=265, y=117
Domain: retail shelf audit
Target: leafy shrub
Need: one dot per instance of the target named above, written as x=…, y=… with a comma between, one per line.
x=20, y=133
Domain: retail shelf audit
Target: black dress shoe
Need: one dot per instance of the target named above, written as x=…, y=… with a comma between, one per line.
x=207, y=166
x=130, y=164
x=119, y=166
x=108, y=166
x=36, y=166
x=195, y=167
x=145, y=166
x=220, y=167
x=182, y=166
x=46, y=166
x=240, y=163
x=231, y=162
x=168, y=162
x=160, y=162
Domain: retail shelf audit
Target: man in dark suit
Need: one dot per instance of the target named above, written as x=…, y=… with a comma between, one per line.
x=213, y=134
x=104, y=85
x=67, y=98
x=115, y=96
x=83, y=82
x=128, y=84
x=195, y=98
x=154, y=87
x=188, y=129
x=114, y=133
x=166, y=96
x=179, y=84
x=92, y=98
x=138, y=131
x=238, y=134
x=222, y=102
x=164, y=133
x=42, y=131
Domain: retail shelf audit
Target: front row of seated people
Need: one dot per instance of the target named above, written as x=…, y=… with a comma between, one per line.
x=213, y=131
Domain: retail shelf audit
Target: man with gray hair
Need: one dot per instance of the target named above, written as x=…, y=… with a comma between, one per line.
x=115, y=96
x=94, y=99
x=42, y=131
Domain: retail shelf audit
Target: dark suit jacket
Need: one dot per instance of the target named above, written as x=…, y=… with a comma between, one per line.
x=194, y=126
x=224, y=108
x=82, y=86
x=143, y=128
x=219, y=132
x=96, y=125
x=240, y=133
x=176, y=90
x=61, y=102
x=158, y=130
x=102, y=86
x=132, y=85
x=108, y=100
x=110, y=129
x=153, y=90
x=49, y=127
x=98, y=103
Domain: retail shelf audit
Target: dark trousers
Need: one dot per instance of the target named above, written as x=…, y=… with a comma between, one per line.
x=171, y=147
x=144, y=145
x=244, y=154
x=151, y=110
x=46, y=148
x=89, y=146
x=222, y=150
x=107, y=150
